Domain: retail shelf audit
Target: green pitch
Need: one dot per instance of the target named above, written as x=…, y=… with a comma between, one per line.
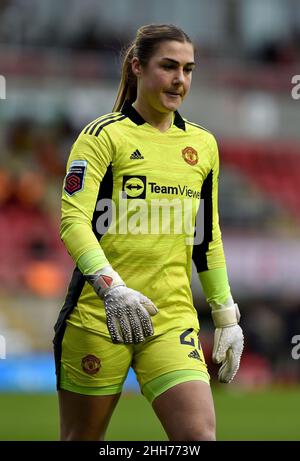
x=267, y=415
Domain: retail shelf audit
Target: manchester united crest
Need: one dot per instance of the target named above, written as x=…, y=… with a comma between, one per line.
x=190, y=155
x=90, y=364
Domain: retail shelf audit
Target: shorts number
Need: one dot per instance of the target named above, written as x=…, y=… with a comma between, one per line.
x=189, y=342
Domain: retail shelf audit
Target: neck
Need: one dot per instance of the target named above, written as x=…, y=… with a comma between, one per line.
x=161, y=121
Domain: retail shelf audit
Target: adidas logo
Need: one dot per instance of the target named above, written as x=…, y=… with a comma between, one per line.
x=194, y=355
x=136, y=155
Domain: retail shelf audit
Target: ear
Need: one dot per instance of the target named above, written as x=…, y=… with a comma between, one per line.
x=136, y=67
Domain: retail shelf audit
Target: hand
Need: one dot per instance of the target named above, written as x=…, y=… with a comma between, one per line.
x=127, y=311
x=228, y=340
x=127, y=315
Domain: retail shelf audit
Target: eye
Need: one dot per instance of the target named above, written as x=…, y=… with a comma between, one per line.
x=188, y=70
x=168, y=66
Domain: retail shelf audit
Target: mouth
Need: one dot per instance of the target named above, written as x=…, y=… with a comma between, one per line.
x=173, y=94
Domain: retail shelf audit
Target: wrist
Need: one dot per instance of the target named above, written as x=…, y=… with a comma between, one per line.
x=104, y=279
x=225, y=316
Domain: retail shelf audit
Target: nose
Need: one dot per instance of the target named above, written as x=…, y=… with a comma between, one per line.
x=179, y=77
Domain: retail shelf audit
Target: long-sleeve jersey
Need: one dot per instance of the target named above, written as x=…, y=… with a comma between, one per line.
x=132, y=195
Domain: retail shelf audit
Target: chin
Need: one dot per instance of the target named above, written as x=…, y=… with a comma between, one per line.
x=171, y=105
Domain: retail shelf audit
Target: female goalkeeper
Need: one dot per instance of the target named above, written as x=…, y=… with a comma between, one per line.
x=134, y=182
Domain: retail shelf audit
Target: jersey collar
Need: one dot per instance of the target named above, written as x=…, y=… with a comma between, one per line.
x=136, y=118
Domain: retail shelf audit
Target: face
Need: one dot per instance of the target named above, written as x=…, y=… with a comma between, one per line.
x=165, y=81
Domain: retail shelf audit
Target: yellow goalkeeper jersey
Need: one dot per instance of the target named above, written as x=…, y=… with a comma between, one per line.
x=133, y=193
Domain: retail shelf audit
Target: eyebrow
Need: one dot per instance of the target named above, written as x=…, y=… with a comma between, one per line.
x=176, y=62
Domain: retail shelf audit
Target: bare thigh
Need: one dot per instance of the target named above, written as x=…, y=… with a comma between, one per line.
x=186, y=411
x=85, y=417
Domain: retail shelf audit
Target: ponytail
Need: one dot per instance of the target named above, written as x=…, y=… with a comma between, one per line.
x=127, y=90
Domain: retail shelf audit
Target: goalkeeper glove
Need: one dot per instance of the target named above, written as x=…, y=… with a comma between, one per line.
x=127, y=311
x=228, y=339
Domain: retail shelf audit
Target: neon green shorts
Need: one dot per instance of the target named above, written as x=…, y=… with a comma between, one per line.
x=91, y=364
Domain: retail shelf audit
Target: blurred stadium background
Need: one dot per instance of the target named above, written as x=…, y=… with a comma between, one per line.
x=61, y=64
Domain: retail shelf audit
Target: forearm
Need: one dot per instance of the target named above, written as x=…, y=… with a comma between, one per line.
x=215, y=285
x=83, y=246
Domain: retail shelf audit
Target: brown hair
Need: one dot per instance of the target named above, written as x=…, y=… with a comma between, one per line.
x=143, y=47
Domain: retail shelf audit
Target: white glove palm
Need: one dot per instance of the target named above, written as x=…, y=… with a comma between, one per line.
x=127, y=311
x=228, y=340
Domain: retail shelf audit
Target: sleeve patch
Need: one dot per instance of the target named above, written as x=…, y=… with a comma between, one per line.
x=74, y=181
